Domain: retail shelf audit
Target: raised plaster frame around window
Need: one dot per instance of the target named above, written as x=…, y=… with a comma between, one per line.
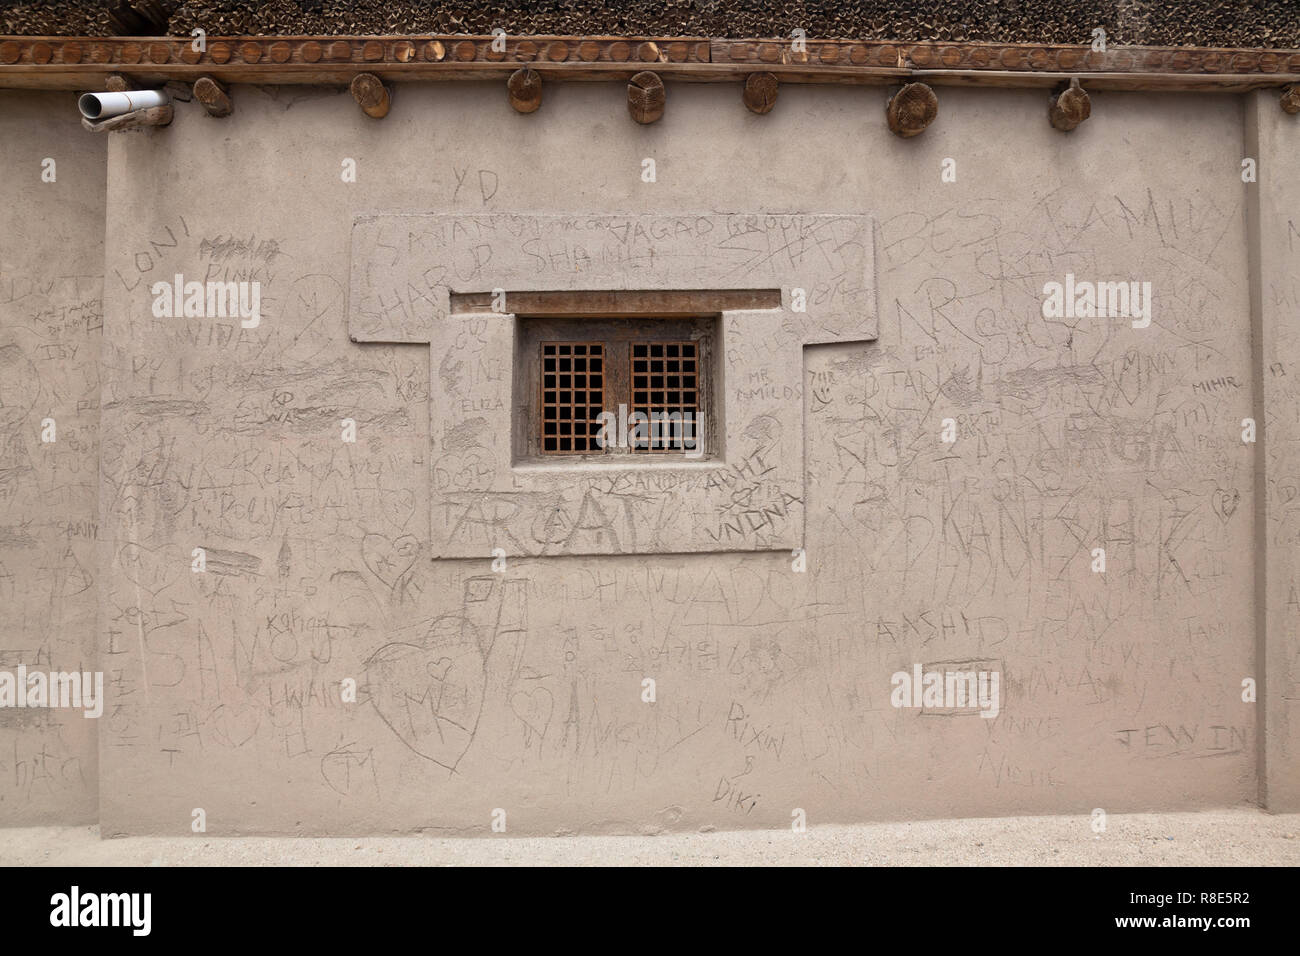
x=406, y=267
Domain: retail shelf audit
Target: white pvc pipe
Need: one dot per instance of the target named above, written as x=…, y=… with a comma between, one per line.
x=95, y=106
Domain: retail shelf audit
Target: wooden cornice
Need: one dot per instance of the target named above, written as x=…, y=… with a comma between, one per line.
x=82, y=63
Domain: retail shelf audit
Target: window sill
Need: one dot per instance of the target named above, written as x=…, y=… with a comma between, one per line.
x=616, y=463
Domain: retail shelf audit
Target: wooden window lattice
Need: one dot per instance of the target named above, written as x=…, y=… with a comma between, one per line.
x=665, y=388
x=572, y=396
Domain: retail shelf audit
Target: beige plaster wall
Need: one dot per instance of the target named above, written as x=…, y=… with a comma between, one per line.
x=1275, y=248
x=51, y=313
x=522, y=690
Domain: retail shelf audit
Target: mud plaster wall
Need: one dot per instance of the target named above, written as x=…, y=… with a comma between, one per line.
x=51, y=312
x=522, y=690
x=1275, y=236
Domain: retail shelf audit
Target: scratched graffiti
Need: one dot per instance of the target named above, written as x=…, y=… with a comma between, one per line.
x=750, y=500
x=521, y=686
x=51, y=321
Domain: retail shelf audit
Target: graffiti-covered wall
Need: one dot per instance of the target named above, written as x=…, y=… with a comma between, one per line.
x=995, y=432
x=51, y=314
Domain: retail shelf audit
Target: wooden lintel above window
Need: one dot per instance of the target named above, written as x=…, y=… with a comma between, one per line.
x=79, y=63
x=613, y=304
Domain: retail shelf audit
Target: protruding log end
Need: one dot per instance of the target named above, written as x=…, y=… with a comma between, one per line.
x=1291, y=99
x=371, y=95
x=525, y=90
x=1069, y=107
x=760, y=92
x=116, y=83
x=213, y=96
x=912, y=109
x=646, y=97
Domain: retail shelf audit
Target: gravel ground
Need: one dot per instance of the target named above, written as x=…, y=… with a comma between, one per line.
x=1244, y=837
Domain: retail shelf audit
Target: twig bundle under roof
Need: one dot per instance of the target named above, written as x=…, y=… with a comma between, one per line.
x=1221, y=23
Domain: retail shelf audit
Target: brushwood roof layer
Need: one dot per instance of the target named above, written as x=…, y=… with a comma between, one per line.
x=1211, y=23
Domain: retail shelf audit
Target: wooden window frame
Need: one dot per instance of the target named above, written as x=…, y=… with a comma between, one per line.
x=616, y=336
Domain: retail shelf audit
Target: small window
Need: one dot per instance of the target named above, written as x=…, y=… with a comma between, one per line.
x=608, y=387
